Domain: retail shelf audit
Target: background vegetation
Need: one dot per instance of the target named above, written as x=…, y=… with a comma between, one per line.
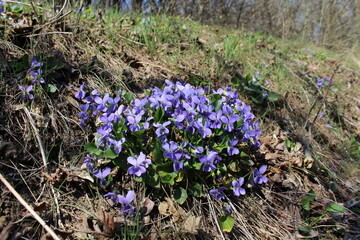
x=303, y=93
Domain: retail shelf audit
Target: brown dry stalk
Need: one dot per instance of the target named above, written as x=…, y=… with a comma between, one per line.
x=42, y=151
x=29, y=208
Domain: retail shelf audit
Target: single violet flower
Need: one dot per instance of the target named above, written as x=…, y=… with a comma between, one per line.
x=139, y=164
x=238, y=190
x=259, y=178
x=125, y=201
x=102, y=175
x=81, y=94
x=218, y=193
x=26, y=92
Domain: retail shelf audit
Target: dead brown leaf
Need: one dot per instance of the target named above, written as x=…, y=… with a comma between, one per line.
x=167, y=208
x=191, y=224
x=147, y=204
x=7, y=231
x=296, y=161
x=40, y=207
x=272, y=156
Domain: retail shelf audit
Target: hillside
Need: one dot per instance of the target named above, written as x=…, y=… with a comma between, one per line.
x=150, y=173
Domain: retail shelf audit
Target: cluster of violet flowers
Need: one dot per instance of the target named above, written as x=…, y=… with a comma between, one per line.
x=321, y=83
x=35, y=74
x=205, y=119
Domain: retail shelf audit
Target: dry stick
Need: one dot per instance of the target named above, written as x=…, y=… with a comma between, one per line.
x=43, y=155
x=53, y=21
x=29, y=208
x=212, y=211
x=47, y=33
x=62, y=9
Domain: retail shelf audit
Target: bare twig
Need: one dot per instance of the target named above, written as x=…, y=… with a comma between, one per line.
x=43, y=155
x=214, y=217
x=47, y=33
x=62, y=9
x=29, y=208
x=53, y=21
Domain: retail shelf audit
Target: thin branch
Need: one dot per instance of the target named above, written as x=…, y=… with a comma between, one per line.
x=43, y=155
x=29, y=208
x=47, y=33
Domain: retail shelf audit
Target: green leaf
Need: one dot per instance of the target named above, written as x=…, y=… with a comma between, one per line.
x=51, y=88
x=235, y=81
x=243, y=154
x=234, y=167
x=273, y=96
x=152, y=178
x=214, y=98
x=158, y=152
x=166, y=177
x=226, y=223
x=196, y=190
x=335, y=208
x=305, y=203
x=197, y=166
x=252, y=89
x=305, y=230
x=158, y=114
x=109, y=153
x=249, y=77
x=139, y=133
x=180, y=195
x=129, y=96
x=17, y=8
x=288, y=143
x=258, y=100
x=311, y=195
x=92, y=148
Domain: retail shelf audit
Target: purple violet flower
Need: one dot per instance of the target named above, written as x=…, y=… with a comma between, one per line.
x=231, y=149
x=102, y=175
x=117, y=144
x=238, y=190
x=218, y=193
x=125, y=201
x=227, y=208
x=26, y=92
x=139, y=164
x=112, y=196
x=2, y=9
x=162, y=131
x=259, y=178
x=81, y=94
x=209, y=160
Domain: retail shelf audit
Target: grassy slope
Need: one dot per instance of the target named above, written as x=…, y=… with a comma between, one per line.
x=105, y=49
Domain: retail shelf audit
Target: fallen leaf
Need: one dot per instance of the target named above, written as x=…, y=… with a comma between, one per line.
x=308, y=162
x=164, y=208
x=3, y=220
x=7, y=231
x=296, y=161
x=272, y=156
x=167, y=208
x=147, y=204
x=191, y=224
x=276, y=178
x=40, y=207
x=297, y=147
x=280, y=146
